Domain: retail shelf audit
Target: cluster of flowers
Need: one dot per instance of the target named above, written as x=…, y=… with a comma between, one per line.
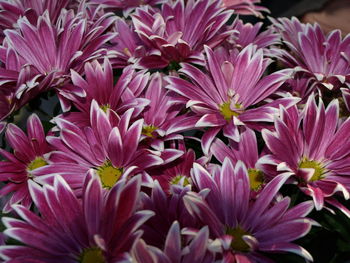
x=175, y=136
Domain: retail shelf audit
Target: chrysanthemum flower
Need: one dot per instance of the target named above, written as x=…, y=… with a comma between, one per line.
x=195, y=250
x=165, y=124
x=99, y=85
x=46, y=52
x=245, y=151
x=179, y=31
x=226, y=98
x=168, y=207
x=126, y=47
x=245, y=7
x=323, y=59
x=12, y=10
x=101, y=228
x=248, y=33
x=29, y=154
x=315, y=147
x=245, y=229
x=110, y=146
x=175, y=173
x=128, y=5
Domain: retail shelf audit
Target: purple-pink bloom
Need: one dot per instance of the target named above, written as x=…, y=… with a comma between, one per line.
x=165, y=124
x=168, y=207
x=29, y=153
x=179, y=31
x=102, y=227
x=45, y=52
x=98, y=85
x=314, y=146
x=323, y=59
x=247, y=33
x=12, y=10
x=110, y=145
x=246, y=229
x=245, y=151
x=225, y=98
x=245, y=7
x=174, y=249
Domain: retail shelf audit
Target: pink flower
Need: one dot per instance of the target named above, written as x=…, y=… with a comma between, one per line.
x=102, y=227
x=110, y=146
x=245, y=7
x=29, y=154
x=313, y=145
x=324, y=60
x=179, y=31
x=224, y=97
x=246, y=229
x=44, y=53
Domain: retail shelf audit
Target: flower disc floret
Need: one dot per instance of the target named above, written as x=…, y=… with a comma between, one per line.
x=109, y=175
x=238, y=244
x=37, y=163
x=148, y=130
x=227, y=112
x=181, y=178
x=92, y=255
x=319, y=170
x=256, y=179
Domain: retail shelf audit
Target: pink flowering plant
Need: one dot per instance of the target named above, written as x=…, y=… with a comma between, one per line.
x=171, y=131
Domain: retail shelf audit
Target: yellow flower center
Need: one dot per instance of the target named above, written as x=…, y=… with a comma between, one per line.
x=148, y=130
x=36, y=163
x=256, y=179
x=178, y=178
x=238, y=244
x=105, y=107
x=319, y=170
x=227, y=112
x=92, y=255
x=109, y=174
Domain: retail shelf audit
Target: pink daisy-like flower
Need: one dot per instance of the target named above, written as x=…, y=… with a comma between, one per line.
x=175, y=173
x=225, y=98
x=168, y=207
x=110, y=146
x=179, y=31
x=195, y=250
x=314, y=146
x=29, y=154
x=246, y=229
x=245, y=151
x=12, y=10
x=46, y=52
x=165, y=124
x=102, y=227
x=126, y=47
x=323, y=59
x=245, y=7
x=250, y=34
x=98, y=86
x=128, y=5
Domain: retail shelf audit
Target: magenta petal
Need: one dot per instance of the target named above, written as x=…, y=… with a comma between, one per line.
x=208, y=138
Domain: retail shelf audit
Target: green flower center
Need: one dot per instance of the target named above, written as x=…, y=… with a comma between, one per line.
x=92, y=255
x=36, y=163
x=256, y=179
x=178, y=178
x=148, y=130
x=174, y=66
x=109, y=174
x=238, y=244
x=319, y=170
x=105, y=107
x=227, y=112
